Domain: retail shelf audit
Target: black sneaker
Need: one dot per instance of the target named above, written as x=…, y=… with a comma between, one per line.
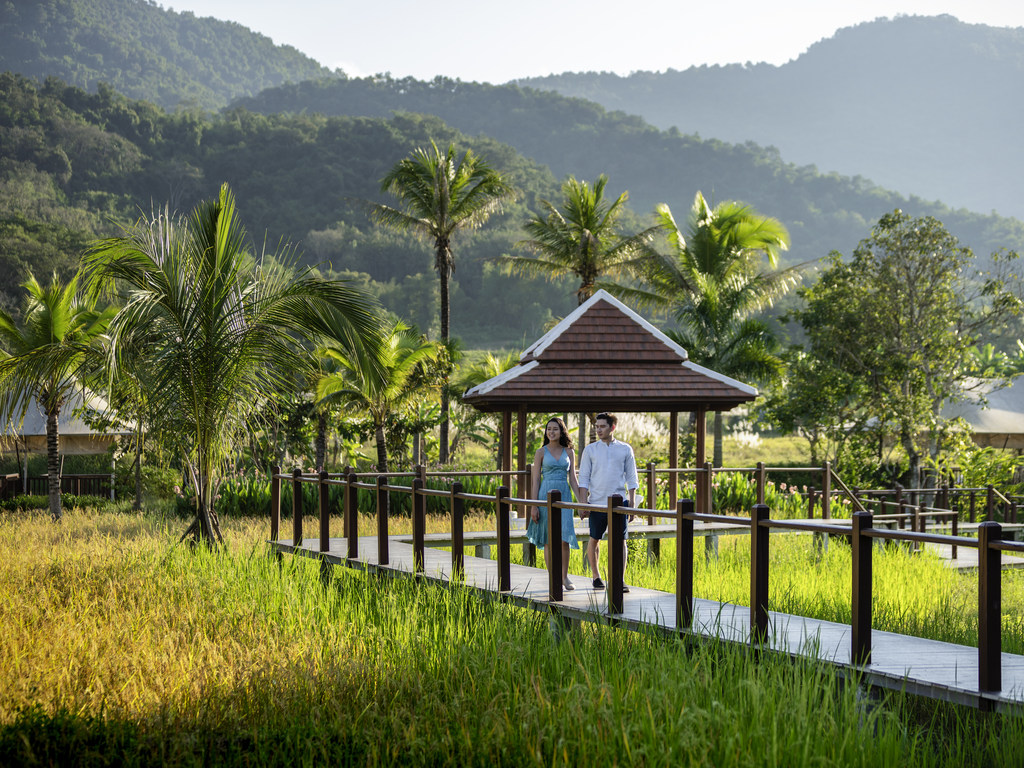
x=598, y=584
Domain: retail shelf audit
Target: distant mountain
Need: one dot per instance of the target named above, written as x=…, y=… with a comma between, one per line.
x=144, y=51
x=926, y=106
x=572, y=135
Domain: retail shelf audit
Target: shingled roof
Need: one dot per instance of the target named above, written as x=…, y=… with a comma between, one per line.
x=604, y=356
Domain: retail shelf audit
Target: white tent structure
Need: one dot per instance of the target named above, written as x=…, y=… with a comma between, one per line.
x=995, y=412
x=76, y=436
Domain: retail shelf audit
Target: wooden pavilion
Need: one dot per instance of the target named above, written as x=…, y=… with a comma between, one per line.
x=606, y=357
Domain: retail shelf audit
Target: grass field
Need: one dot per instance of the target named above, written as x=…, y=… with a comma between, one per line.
x=122, y=648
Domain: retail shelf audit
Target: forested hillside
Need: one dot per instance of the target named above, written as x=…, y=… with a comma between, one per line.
x=925, y=106
x=144, y=51
x=822, y=212
x=75, y=164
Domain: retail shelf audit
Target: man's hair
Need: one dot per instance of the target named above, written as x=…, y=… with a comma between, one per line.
x=611, y=418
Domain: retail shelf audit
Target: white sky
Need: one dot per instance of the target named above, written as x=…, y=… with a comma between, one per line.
x=487, y=41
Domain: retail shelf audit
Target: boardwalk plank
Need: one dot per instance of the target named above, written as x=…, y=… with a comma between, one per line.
x=926, y=667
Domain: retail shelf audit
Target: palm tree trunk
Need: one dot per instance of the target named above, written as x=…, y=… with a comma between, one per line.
x=53, y=463
x=321, y=440
x=444, y=273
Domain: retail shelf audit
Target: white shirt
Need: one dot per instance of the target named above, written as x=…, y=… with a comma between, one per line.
x=607, y=469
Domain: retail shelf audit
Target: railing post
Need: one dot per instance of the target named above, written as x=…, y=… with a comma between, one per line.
x=458, y=508
x=296, y=508
x=554, y=563
x=955, y=519
x=860, y=647
x=352, y=516
x=325, y=512
x=504, y=556
x=383, y=550
x=826, y=491
x=812, y=496
x=419, y=524
x=759, y=574
x=973, y=513
x=275, y=502
x=709, y=490
x=616, y=553
x=653, y=545
x=761, y=477
x=684, y=565
x=989, y=608
x=345, y=472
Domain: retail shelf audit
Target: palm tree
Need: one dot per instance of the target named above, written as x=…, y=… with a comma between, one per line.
x=713, y=283
x=220, y=328
x=47, y=355
x=380, y=382
x=441, y=195
x=580, y=238
x=483, y=370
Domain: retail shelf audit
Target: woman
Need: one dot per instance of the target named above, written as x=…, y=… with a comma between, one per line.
x=554, y=469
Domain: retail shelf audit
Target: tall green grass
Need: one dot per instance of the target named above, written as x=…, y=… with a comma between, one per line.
x=121, y=647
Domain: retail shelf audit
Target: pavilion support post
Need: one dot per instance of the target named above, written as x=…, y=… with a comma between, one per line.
x=653, y=545
x=673, y=458
x=700, y=457
x=506, y=441
x=352, y=513
x=522, y=484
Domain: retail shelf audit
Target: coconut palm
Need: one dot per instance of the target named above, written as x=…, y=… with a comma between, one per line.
x=713, y=283
x=219, y=327
x=442, y=194
x=46, y=358
x=381, y=382
x=581, y=238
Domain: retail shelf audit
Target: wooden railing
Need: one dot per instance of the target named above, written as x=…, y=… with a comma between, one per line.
x=79, y=485
x=862, y=531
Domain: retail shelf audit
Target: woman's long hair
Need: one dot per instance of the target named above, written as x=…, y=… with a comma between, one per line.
x=565, y=441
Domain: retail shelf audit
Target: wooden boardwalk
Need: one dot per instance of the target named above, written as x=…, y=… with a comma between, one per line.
x=898, y=662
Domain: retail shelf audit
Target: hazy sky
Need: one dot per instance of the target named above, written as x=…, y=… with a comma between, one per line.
x=495, y=42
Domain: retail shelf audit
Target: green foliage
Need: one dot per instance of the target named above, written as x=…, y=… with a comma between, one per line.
x=145, y=51
x=215, y=329
x=247, y=494
x=25, y=503
x=895, y=325
x=823, y=212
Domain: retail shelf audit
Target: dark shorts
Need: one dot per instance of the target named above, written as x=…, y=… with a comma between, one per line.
x=599, y=525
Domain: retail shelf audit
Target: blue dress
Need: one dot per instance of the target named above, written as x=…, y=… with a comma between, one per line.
x=554, y=474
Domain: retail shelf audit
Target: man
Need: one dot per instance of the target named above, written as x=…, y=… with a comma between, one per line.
x=607, y=468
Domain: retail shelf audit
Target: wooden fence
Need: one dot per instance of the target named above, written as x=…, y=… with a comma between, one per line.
x=864, y=529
